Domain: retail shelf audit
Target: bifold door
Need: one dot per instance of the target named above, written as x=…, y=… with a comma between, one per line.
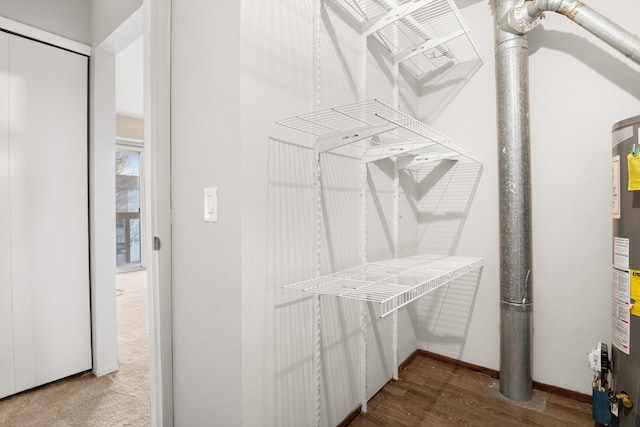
x=44, y=227
x=7, y=377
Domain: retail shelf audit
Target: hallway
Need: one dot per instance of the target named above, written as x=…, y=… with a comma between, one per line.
x=120, y=398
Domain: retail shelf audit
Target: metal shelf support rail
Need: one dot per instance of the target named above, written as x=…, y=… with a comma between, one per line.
x=371, y=130
x=423, y=35
x=317, y=183
x=396, y=254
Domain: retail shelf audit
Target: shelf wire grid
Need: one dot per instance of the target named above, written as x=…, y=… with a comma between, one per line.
x=426, y=39
x=378, y=131
x=392, y=283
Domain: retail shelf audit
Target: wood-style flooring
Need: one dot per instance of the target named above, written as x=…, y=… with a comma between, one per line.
x=434, y=393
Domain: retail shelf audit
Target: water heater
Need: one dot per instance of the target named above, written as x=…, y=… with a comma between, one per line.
x=626, y=268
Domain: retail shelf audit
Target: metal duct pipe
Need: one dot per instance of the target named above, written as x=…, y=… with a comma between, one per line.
x=512, y=90
x=525, y=15
x=513, y=19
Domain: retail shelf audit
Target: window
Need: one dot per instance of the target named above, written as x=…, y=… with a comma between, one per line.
x=128, y=207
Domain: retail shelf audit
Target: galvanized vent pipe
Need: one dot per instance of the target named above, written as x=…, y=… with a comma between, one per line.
x=525, y=15
x=513, y=19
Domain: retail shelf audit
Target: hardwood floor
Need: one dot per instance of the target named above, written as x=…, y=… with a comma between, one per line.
x=433, y=393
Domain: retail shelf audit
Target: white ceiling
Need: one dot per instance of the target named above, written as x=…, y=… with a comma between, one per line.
x=129, y=80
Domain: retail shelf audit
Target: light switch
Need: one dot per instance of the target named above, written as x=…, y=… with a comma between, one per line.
x=211, y=204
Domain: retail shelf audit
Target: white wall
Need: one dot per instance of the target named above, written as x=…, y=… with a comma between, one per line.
x=278, y=216
x=130, y=79
x=572, y=194
x=66, y=18
x=579, y=88
x=227, y=275
x=206, y=256
x=107, y=15
x=445, y=196
x=278, y=81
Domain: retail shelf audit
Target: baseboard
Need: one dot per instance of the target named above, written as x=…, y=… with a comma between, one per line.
x=570, y=394
x=105, y=371
x=358, y=409
x=459, y=363
x=402, y=366
x=559, y=391
x=350, y=417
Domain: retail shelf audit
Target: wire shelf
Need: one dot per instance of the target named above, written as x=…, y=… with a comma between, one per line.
x=424, y=35
x=376, y=131
x=392, y=283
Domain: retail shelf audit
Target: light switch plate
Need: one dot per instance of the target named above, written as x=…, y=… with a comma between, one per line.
x=211, y=204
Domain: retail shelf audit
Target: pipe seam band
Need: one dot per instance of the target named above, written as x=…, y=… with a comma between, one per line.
x=514, y=306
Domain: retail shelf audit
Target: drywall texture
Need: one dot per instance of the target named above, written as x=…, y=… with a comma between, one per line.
x=66, y=18
x=107, y=15
x=446, y=193
x=206, y=255
x=579, y=88
x=227, y=275
x=280, y=78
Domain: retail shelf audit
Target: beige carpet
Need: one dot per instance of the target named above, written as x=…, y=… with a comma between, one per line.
x=117, y=399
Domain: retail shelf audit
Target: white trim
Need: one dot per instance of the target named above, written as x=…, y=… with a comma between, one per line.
x=102, y=196
x=157, y=132
x=105, y=371
x=43, y=36
x=130, y=142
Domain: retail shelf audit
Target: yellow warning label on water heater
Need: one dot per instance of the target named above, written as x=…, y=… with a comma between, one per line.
x=634, y=278
x=633, y=161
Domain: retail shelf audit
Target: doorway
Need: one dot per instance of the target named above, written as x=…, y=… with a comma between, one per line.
x=153, y=19
x=130, y=224
x=129, y=157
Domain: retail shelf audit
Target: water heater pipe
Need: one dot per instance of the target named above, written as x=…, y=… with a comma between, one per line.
x=512, y=90
x=526, y=14
x=513, y=19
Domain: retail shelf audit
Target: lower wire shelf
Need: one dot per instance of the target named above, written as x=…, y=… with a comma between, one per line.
x=392, y=283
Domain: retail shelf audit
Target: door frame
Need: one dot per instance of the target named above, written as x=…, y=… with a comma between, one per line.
x=155, y=17
x=157, y=130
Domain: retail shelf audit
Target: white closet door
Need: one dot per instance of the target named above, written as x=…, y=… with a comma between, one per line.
x=49, y=212
x=7, y=379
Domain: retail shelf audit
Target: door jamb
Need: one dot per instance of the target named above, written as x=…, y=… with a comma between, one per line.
x=157, y=111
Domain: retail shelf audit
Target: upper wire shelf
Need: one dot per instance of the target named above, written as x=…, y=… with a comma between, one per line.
x=424, y=35
x=372, y=130
x=392, y=283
